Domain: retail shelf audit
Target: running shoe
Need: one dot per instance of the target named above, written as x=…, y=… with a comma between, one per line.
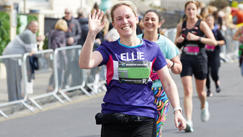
x=209, y=93
x=218, y=89
x=189, y=127
x=205, y=115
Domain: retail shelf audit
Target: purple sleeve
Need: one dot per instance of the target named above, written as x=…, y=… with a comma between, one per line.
x=104, y=52
x=160, y=61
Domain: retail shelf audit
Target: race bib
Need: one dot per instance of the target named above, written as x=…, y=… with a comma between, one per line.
x=209, y=48
x=191, y=49
x=136, y=72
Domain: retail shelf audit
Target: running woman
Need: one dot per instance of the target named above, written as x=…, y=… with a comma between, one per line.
x=239, y=37
x=128, y=109
x=190, y=37
x=152, y=22
x=213, y=56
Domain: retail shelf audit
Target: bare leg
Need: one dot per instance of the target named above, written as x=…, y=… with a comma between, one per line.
x=200, y=86
x=187, y=85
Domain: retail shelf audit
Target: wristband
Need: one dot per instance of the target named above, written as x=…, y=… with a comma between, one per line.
x=178, y=108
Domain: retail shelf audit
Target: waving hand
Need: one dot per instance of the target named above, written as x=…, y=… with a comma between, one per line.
x=95, y=21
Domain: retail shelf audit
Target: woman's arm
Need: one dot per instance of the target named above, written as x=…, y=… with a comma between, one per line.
x=179, y=38
x=175, y=65
x=88, y=58
x=209, y=39
x=172, y=93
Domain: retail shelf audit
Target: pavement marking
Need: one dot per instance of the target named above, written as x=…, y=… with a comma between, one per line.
x=51, y=106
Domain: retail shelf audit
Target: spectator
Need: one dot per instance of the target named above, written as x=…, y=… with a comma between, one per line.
x=72, y=37
x=84, y=26
x=25, y=42
x=57, y=39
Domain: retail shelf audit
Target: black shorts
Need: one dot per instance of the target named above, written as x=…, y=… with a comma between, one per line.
x=128, y=126
x=194, y=65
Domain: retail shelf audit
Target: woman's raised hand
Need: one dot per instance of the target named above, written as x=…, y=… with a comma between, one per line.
x=95, y=21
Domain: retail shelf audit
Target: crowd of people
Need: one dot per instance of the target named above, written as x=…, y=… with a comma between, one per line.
x=138, y=59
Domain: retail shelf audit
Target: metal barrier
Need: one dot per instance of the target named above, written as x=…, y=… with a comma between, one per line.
x=96, y=79
x=45, y=61
x=13, y=92
x=70, y=76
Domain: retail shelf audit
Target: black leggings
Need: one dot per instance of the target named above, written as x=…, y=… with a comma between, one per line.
x=213, y=68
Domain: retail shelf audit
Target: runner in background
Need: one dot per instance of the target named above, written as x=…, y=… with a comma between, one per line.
x=152, y=22
x=190, y=37
x=213, y=56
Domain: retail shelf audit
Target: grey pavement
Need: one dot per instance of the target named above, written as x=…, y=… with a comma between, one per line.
x=76, y=119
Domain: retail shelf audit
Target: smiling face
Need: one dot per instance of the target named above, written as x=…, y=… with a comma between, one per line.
x=191, y=10
x=124, y=21
x=151, y=22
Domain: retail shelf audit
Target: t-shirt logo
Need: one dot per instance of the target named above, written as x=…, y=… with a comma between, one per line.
x=132, y=56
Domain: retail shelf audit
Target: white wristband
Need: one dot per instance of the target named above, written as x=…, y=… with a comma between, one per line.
x=177, y=108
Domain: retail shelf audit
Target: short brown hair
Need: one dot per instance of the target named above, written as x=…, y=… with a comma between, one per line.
x=61, y=25
x=125, y=3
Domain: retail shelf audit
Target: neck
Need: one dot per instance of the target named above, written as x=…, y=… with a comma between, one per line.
x=192, y=20
x=131, y=41
x=151, y=36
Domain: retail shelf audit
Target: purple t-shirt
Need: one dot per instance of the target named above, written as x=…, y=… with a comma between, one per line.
x=127, y=98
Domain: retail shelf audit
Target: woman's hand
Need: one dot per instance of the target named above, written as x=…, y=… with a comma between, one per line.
x=192, y=37
x=180, y=39
x=95, y=22
x=180, y=122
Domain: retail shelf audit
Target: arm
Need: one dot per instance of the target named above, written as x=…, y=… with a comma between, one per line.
x=175, y=65
x=179, y=38
x=220, y=42
x=172, y=93
x=78, y=32
x=209, y=39
x=88, y=58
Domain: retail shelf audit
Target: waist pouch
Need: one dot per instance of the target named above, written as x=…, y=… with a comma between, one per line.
x=209, y=48
x=118, y=118
x=191, y=49
x=136, y=72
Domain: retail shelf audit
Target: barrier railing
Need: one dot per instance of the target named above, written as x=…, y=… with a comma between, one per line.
x=42, y=75
x=11, y=91
x=68, y=77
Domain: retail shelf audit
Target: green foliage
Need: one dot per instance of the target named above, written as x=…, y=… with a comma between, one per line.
x=45, y=44
x=4, y=30
x=30, y=18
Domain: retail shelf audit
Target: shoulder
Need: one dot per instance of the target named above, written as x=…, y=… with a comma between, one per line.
x=106, y=43
x=179, y=25
x=203, y=24
x=27, y=32
x=149, y=43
